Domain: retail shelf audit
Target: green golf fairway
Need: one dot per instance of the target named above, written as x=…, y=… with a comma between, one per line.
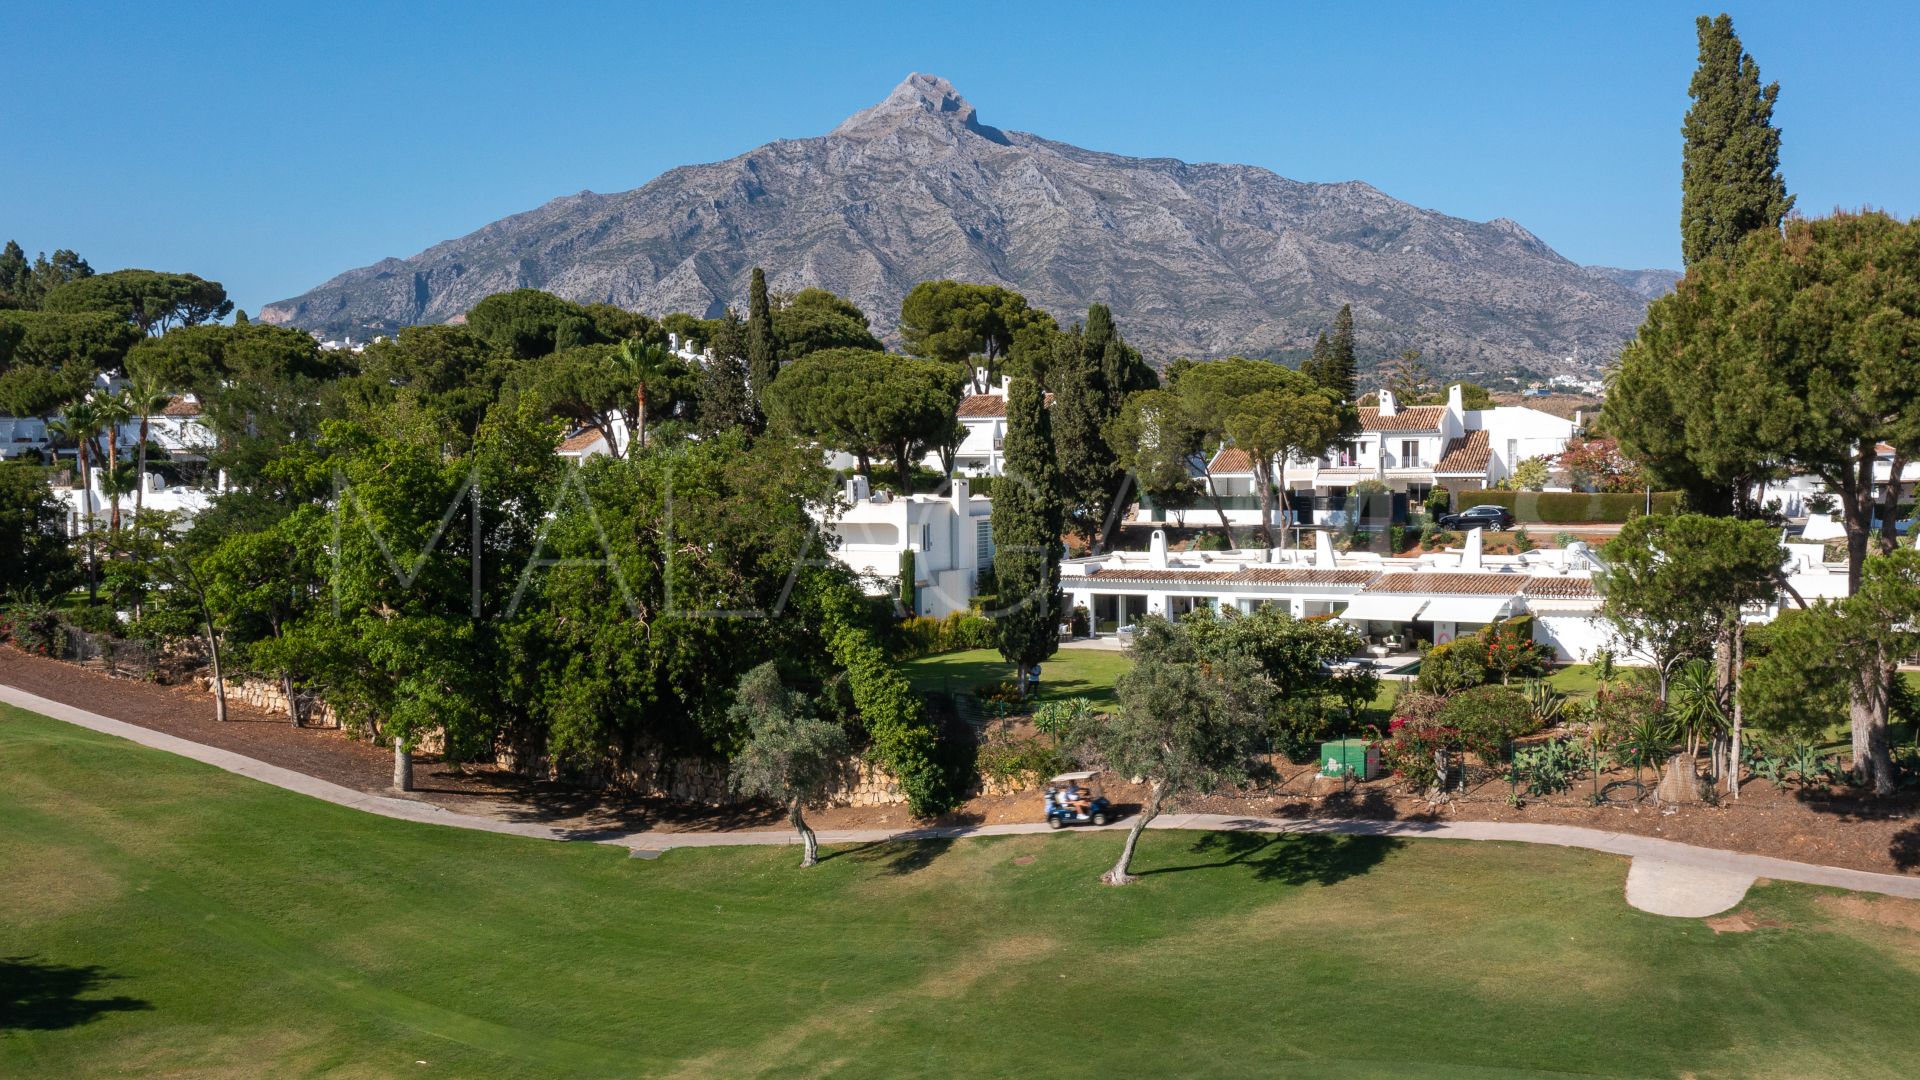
x=160, y=917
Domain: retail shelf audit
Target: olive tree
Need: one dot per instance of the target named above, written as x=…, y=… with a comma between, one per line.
x=790, y=753
x=1193, y=711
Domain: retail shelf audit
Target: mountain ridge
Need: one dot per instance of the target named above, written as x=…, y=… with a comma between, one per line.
x=1201, y=259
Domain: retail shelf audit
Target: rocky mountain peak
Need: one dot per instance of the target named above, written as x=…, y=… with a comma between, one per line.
x=918, y=100
x=1200, y=261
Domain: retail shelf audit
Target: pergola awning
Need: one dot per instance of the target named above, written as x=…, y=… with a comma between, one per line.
x=1383, y=607
x=1467, y=609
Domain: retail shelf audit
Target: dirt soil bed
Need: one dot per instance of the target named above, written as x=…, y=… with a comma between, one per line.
x=1835, y=827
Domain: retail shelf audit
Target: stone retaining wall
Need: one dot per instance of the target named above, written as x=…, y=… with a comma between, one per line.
x=271, y=697
x=696, y=781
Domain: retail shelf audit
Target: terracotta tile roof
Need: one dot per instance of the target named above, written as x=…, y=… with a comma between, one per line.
x=580, y=443
x=180, y=406
x=1466, y=455
x=1151, y=574
x=983, y=405
x=987, y=406
x=1466, y=583
x=1296, y=575
x=1564, y=588
x=1408, y=418
x=1231, y=460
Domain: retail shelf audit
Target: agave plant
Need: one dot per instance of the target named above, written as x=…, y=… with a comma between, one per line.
x=1547, y=703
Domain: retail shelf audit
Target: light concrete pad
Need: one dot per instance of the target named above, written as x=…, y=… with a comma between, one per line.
x=1683, y=891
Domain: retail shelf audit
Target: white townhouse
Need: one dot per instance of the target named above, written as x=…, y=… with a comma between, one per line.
x=1409, y=448
x=588, y=441
x=177, y=429
x=951, y=537
x=184, y=501
x=1794, y=491
x=1395, y=603
x=983, y=422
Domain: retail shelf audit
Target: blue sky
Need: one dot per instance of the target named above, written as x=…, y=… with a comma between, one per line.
x=272, y=146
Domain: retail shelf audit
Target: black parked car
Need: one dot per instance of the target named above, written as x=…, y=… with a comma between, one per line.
x=1479, y=517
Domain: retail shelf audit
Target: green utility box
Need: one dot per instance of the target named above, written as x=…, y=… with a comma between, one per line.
x=1357, y=758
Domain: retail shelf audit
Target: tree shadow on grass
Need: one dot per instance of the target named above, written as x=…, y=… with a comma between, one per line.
x=1289, y=858
x=896, y=858
x=36, y=996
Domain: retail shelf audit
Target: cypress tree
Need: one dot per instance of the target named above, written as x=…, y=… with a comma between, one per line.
x=1026, y=533
x=1730, y=172
x=1337, y=372
x=1081, y=409
x=763, y=361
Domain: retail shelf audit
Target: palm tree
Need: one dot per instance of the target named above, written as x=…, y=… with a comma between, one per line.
x=114, y=410
x=80, y=422
x=643, y=363
x=147, y=397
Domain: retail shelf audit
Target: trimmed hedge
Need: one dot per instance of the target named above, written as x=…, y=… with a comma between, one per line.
x=1571, y=507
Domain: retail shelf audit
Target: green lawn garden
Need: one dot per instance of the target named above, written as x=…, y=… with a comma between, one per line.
x=1071, y=672
x=1090, y=673
x=160, y=917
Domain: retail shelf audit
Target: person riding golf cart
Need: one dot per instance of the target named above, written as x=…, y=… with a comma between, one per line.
x=1071, y=801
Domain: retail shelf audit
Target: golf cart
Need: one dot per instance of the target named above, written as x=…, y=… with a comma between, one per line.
x=1070, y=801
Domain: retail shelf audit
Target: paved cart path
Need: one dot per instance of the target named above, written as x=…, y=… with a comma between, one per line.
x=1666, y=877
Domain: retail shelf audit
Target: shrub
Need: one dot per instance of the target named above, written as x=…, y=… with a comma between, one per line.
x=1016, y=762
x=1511, y=651
x=924, y=635
x=1820, y=502
x=1521, y=541
x=1411, y=751
x=1298, y=727
x=1457, y=665
x=1003, y=692
x=94, y=619
x=1616, y=710
x=1427, y=532
x=1063, y=721
x=1397, y=536
x=38, y=628
x=1489, y=718
x=1209, y=541
x=1081, y=621
x=1439, y=501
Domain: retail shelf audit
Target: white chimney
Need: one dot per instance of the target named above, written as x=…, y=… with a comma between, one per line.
x=1455, y=403
x=961, y=491
x=1157, y=550
x=1470, y=557
x=1387, y=405
x=1323, y=555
